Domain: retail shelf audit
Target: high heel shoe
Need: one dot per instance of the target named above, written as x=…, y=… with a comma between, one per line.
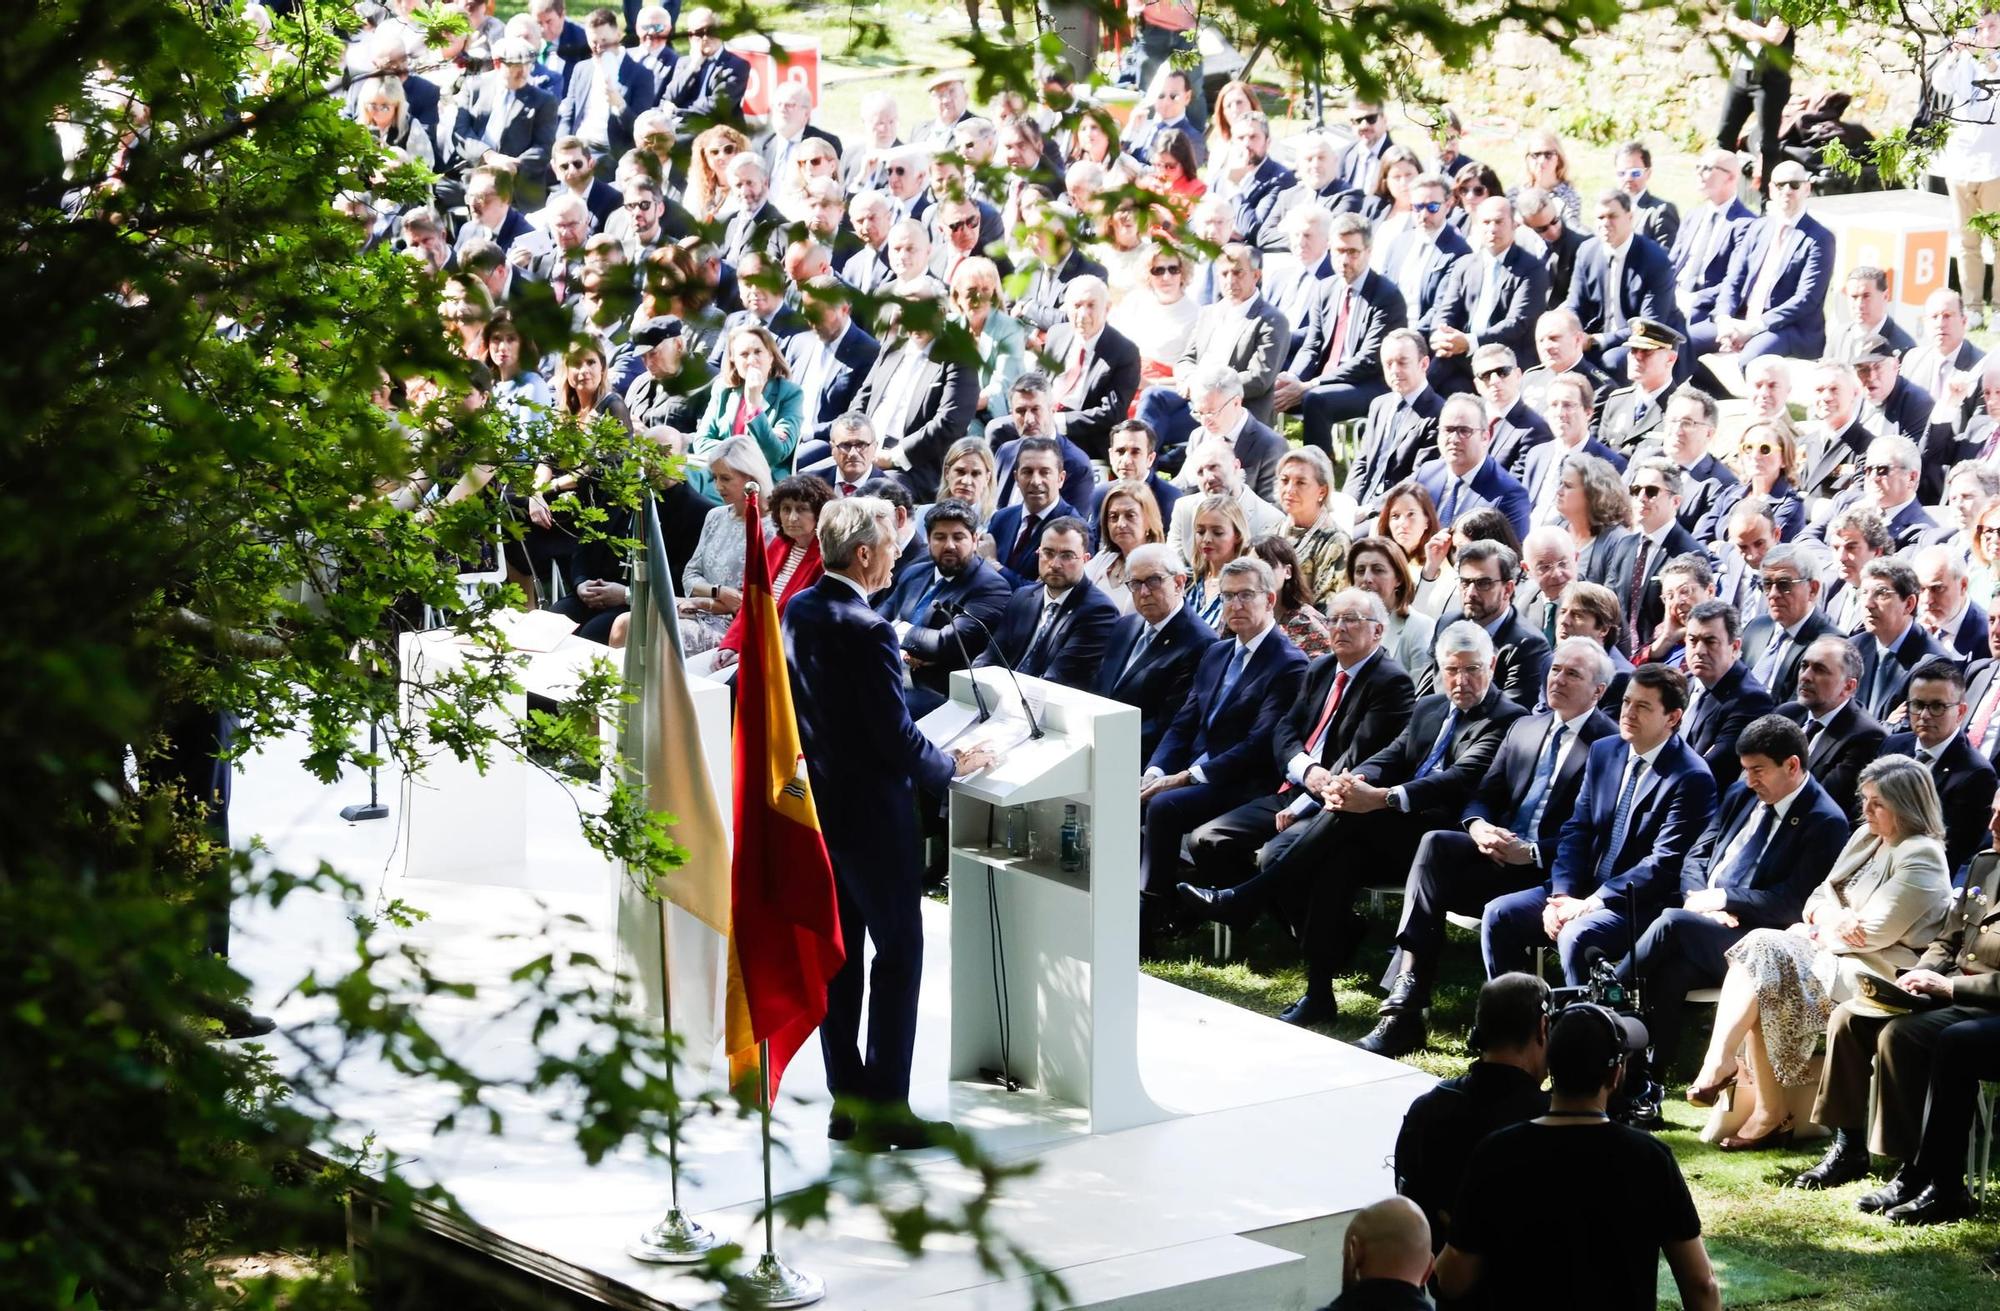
x=1708, y=1094
x=1778, y=1137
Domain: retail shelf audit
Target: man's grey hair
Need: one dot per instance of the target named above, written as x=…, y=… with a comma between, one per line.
x=1371, y=604
x=1258, y=571
x=1790, y=555
x=1545, y=535
x=1593, y=650
x=1158, y=553
x=1979, y=471
x=1493, y=355
x=1084, y=282
x=1531, y=200
x=866, y=199
x=854, y=421
x=1216, y=377
x=1849, y=655
x=1898, y=450
x=1349, y=225
x=1308, y=216
x=566, y=203
x=1615, y=196
x=1465, y=637
x=1865, y=521
x=1954, y=563
x=847, y=526
x=901, y=226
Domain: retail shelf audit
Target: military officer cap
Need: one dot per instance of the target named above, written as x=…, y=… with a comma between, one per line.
x=1870, y=349
x=1652, y=335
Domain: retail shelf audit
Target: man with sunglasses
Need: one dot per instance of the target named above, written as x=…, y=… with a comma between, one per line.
x=1705, y=243
x=1492, y=298
x=1621, y=276
x=1421, y=259
x=789, y=128
x=1167, y=111
x=1659, y=218
x=1549, y=238
x=1774, y=301
x=1517, y=430
x=708, y=84
x=1361, y=163
x=1635, y=574
x=508, y=122
x=1891, y=470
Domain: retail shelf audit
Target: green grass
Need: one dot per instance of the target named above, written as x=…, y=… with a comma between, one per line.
x=1772, y=1232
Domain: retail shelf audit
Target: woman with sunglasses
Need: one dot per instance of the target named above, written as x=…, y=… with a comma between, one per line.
x=811, y=159
x=1545, y=166
x=1767, y=461
x=1389, y=208
x=1174, y=169
x=1472, y=183
x=1157, y=315
x=999, y=337
x=708, y=184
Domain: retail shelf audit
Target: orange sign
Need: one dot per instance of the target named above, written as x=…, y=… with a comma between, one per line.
x=1916, y=259
x=796, y=59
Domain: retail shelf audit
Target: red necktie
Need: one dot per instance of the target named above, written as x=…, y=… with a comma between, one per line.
x=1338, y=347
x=1072, y=380
x=1318, y=734
x=1983, y=721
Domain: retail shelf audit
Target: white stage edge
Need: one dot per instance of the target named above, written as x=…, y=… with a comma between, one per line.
x=1238, y=1199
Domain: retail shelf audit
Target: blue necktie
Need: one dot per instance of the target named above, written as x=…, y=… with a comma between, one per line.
x=1621, y=820
x=1885, y=679
x=1743, y=865
x=1528, y=816
x=914, y=614
x=1448, y=515
x=1438, y=747
x=1767, y=664
x=1229, y=677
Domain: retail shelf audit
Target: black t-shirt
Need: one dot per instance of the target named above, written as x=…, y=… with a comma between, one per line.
x=1443, y=1126
x=1571, y=1215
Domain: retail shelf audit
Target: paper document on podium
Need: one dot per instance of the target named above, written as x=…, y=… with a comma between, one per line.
x=1000, y=734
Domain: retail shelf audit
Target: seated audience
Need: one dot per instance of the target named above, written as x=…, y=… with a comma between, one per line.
x=1056, y=626
x=950, y=602
x=1841, y=736
x=1299, y=620
x=712, y=584
x=1377, y=564
x=1127, y=518
x=1312, y=529
x=1964, y=777
x=791, y=555
x=1150, y=657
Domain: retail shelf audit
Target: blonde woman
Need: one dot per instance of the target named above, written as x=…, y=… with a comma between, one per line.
x=1220, y=533
x=999, y=337
x=708, y=165
x=1545, y=164
x=971, y=474
x=1128, y=517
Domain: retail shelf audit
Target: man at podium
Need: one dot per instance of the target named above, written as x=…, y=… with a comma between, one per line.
x=866, y=761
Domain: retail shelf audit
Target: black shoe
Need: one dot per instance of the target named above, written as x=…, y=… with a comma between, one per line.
x=1397, y=1034
x=1216, y=905
x=1845, y=1161
x=1642, y=1110
x=1903, y=1188
x=1311, y=1009
x=904, y=1133
x=1405, y=994
x=1937, y=1204
x=840, y=1126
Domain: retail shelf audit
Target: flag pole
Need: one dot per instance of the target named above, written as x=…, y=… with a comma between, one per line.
x=678, y=1239
x=773, y=1283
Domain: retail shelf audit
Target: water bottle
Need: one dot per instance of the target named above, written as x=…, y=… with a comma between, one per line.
x=1070, y=853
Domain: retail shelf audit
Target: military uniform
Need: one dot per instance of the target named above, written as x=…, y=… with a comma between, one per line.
x=1901, y=1048
x=1629, y=415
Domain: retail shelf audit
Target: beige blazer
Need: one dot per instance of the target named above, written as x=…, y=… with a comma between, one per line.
x=1903, y=894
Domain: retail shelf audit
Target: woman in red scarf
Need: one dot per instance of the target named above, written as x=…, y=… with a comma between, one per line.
x=792, y=552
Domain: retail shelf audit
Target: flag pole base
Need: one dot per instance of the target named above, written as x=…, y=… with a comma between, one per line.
x=679, y=1239
x=775, y=1284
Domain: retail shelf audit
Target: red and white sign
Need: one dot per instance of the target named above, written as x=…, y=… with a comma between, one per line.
x=786, y=58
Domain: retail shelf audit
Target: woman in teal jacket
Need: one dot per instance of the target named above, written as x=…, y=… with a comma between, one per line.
x=754, y=397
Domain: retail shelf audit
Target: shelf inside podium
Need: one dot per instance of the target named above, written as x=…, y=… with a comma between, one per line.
x=1043, y=867
x=1037, y=770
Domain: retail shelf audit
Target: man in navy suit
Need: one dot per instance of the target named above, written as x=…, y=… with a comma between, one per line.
x=1217, y=753
x=1421, y=259
x=1030, y=414
x=1488, y=573
x=1645, y=798
x=1685, y=431
x=1505, y=838
x=1701, y=250
x=1151, y=655
x=1635, y=575
x=1373, y=817
x=1982, y=696
x=1296, y=282
x=830, y=361
x=851, y=451
x=1098, y=367
x=1401, y=424
x=1965, y=778
x=1056, y=627
x=1723, y=695
x=1841, y=736
x=606, y=92
x=709, y=81
x=1132, y=460
x=1465, y=477
x=1773, y=839
x=1566, y=403
x=1949, y=614
x=867, y=762
x=1869, y=315
x=1774, y=299
x=1256, y=198
x=1361, y=163
x=1891, y=404
x=507, y=121
x=564, y=44
x=950, y=603
x=1215, y=396
x=1015, y=533
x=1658, y=217
x=1891, y=641
x=1775, y=641
x=1353, y=703
x=1494, y=297
x=921, y=396
x=1336, y=362
x=1621, y=275
x=1517, y=430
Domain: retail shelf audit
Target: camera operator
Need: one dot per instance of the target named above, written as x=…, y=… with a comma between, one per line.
x=1503, y=1086
x=1504, y=1245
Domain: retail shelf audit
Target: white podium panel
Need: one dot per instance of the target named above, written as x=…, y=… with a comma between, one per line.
x=1045, y=961
x=509, y=824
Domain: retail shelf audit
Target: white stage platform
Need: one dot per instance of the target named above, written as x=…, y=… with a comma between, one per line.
x=1238, y=1200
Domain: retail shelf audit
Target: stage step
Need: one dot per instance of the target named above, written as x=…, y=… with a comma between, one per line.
x=1228, y=1273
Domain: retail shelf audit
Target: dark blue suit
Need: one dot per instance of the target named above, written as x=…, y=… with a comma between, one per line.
x=1229, y=738
x=1701, y=253
x=1016, y=550
x=1158, y=684
x=1722, y=712
x=1645, y=290
x=1489, y=485
x=1079, y=479
x=1670, y=807
x=853, y=355
x=1794, y=316
x=1965, y=783
x=1257, y=204
x=1515, y=435
x=1683, y=950
x=915, y=599
x=1519, y=296
x=1439, y=262
x=1070, y=651
x=634, y=83
x=708, y=93
x=1544, y=461
x=1911, y=649
x=1340, y=387
x=867, y=761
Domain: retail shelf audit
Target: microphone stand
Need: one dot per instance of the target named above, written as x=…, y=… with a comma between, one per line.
x=993, y=645
x=952, y=609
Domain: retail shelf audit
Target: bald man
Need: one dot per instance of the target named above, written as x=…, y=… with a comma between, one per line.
x=1385, y=1259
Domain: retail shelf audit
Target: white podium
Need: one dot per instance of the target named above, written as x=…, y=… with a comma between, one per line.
x=1066, y=943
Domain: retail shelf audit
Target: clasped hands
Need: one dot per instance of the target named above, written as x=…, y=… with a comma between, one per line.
x=1710, y=903
x=1502, y=846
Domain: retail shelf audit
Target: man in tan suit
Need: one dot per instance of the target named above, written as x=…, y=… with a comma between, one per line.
x=1928, y=1065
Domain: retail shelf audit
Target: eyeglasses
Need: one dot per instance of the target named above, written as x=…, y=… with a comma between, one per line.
x=1631, y=174
x=1779, y=585
x=1150, y=583
x=1648, y=491
x=1552, y=222
x=1685, y=424
x=1427, y=206
x=1243, y=597
x=1472, y=188
x=650, y=32
x=571, y=165
x=897, y=170
x=1989, y=530
x=852, y=448
x=1477, y=584
x=1458, y=430
x=1363, y=120
x=1344, y=620
x=1881, y=470
x=1165, y=270
x=1065, y=557
x=1930, y=708
x=1794, y=185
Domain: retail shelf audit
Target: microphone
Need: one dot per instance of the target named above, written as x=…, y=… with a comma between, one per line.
x=993, y=644
x=952, y=609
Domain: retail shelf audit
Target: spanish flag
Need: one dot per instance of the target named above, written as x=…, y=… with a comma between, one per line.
x=784, y=945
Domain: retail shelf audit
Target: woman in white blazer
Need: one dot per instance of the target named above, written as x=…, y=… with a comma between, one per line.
x=1883, y=902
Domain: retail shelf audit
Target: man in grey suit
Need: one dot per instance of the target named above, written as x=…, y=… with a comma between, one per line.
x=509, y=122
